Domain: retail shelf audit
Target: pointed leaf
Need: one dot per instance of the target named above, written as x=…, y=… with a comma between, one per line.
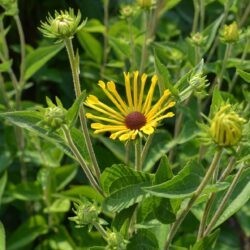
x=180, y=186
x=164, y=171
x=244, y=75
x=2, y=237
x=39, y=57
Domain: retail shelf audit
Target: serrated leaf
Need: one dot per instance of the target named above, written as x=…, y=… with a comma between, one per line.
x=124, y=187
x=2, y=237
x=27, y=232
x=39, y=57
x=143, y=239
x=180, y=186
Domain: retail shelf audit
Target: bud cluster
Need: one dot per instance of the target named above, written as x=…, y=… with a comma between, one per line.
x=115, y=241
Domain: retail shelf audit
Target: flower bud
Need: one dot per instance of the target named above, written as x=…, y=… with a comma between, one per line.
x=54, y=117
x=226, y=127
x=10, y=7
x=63, y=25
x=86, y=213
x=198, y=39
x=115, y=241
x=145, y=4
x=230, y=33
x=127, y=11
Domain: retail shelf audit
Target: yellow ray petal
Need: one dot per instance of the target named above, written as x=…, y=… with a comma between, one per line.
x=128, y=90
x=112, y=121
x=111, y=97
x=112, y=88
x=135, y=89
x=143, y=81
x=148, y=101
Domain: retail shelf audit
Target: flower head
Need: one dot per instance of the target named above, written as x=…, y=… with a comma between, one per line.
x=131, y=117
x=230, y=33
x=63, y=25
x=226, y=126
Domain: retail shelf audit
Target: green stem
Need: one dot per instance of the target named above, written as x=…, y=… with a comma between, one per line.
x=80, y=159
x=127, y=152
x=223, y=202
x=105, y=41
x=196, y=16
x=74, y=64
x=181, y=216
x=146, y=148
x=146, y=36
x=211, y=199
x=138, y=147
x=243, y=56
x=224, y=63
x=202, y=14
x=100, y=229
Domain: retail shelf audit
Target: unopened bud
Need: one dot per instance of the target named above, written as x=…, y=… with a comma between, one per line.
x=226, y=127
x=54, y=117
x=230, y=33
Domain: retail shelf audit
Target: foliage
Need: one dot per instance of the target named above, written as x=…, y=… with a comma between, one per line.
x=177, y=182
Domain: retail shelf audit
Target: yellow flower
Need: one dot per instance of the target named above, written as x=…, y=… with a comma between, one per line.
x=131, y=117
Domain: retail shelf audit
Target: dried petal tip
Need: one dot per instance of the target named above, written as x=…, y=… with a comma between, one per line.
x=226, y=127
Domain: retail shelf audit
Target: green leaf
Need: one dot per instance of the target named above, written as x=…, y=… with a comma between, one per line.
x=211, y=32
x=209, y=240
x=91, y=45
x=39, y=57
x=180, y=186
x=60, y=205
x=238, y=198
x=217, y=101
x=64, y=175
x=73, y=111
x=244, y=75
x=124, y=187
x=27, y=232
x=164, y=76
x=5, y=66
x=143, y=239
x=120, y=47
x=3, y=181
x=2, y=237
x=164, y=171
x=243, y=216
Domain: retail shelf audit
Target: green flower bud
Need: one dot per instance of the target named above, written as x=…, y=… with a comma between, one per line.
x=64, y=25
x=230, y=33
x=54, y=117
x=127, y=11
x=226, y=127
x=115, y=241
x=145, y=4
x=10, y=7
x=198, y=39
x=86, y=213
x=198, y=83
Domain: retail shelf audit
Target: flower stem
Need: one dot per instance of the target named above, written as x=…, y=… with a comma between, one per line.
x=146, y=148
x=223, y=202
x=224, y=63
x=138, y=147
x=74, y=64
x=100, y=229
x=80, y=159
x=196, y=194
x=196, y=16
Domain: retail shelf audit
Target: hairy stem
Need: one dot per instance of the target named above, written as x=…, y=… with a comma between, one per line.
x=74, y=64
x=80, y=159
x=181, y=216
